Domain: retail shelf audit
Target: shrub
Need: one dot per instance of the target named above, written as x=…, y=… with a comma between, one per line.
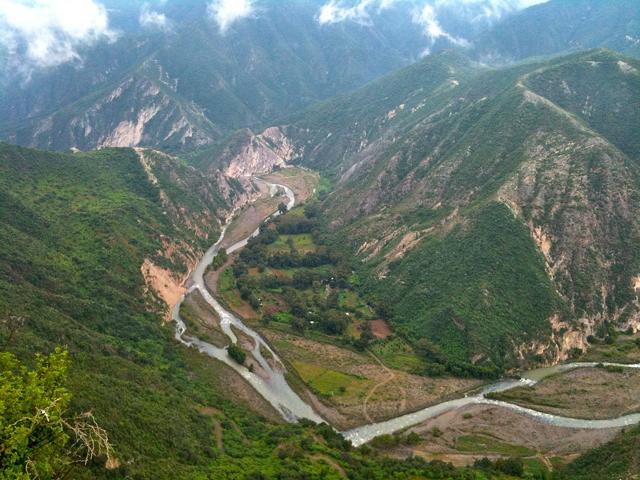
x=237, y=354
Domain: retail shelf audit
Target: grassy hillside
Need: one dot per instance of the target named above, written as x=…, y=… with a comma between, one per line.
x=74, y=231
x=603, y=91
x=473, y=291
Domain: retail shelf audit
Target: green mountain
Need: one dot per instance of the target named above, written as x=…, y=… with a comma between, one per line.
x=76, y=230
x=489, y=207
x=489, y=214
x=616, y=459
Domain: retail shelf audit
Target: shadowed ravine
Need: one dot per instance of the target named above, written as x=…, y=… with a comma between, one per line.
x=273, y=386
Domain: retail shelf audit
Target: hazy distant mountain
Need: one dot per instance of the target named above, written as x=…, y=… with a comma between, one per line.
x=185, y=83
x=188, y=85
x=563, y=25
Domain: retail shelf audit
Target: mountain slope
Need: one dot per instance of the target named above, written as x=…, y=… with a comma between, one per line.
x=76, y=230
x=559, y=26
x=420, y=187
x=616, y=459
x=192, y=85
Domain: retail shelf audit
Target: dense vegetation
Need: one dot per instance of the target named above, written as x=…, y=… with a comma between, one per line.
x=616, y=459
x=33, y=438
x=471, y=205
x=291, y=277
x=469, y=293
x=38, y=440
x=488, y=273
x=75, y=229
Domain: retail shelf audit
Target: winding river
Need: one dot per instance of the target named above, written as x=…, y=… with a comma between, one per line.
x=270, y=381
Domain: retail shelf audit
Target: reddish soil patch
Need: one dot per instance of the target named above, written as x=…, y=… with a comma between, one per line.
x=380, y=328
x=163, y=283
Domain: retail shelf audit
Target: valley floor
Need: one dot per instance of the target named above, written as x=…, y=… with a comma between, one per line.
x=590, y=393
x=350, y=387
x=479, y=431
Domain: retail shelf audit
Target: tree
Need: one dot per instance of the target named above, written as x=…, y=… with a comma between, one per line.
x=37, y=440
x=511, y=466
x=333, y=322
x=312, y=210
x=237, y=354
x=282, y=208
x=298, y=325
x=333, y=299
x=9, y=326
x=366, y=337
x=220, y=259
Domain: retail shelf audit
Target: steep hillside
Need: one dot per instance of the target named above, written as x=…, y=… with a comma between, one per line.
x=492, y=206
x=142, y=109
x=616, y=459
x=559, y=26
x=76, y=232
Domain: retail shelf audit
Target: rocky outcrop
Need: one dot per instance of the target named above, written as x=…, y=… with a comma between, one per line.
x=141, y=110
x=257, y=154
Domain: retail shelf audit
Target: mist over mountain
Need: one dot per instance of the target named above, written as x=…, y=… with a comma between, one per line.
x=201, y=70
x=559, y=26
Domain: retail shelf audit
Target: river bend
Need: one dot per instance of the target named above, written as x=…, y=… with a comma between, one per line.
x=271, y=383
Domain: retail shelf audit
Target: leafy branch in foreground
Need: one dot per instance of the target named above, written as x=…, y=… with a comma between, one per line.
x=37, y=440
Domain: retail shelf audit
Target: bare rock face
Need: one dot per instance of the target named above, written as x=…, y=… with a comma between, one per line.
x=258, y=154
x=141, y=111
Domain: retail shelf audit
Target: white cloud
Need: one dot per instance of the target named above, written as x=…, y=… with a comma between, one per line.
x=425, y=13
x=152, y=19
x=46, y=33
x=426, y=17
x=226, y=12
x=336, y=11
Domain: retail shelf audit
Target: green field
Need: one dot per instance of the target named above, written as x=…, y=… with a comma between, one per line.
x=396, y=353
x=302, y=243
x=485, y=444
x=330, y=383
